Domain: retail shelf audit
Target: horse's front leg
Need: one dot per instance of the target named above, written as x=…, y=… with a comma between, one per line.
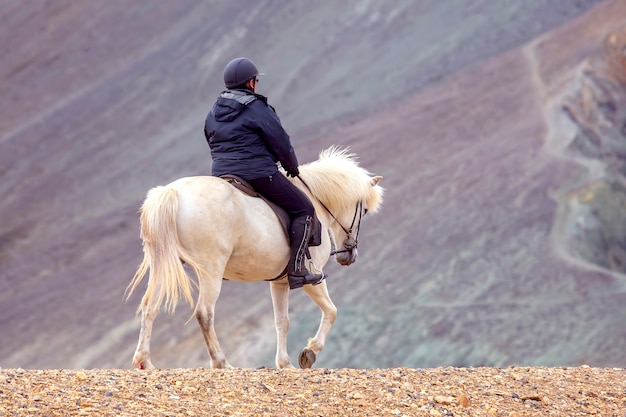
x=141, y=358
x=280, y=301
x=319, y=295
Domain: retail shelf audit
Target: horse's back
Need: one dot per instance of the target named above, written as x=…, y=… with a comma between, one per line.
x=206, y=200
x=200, y=185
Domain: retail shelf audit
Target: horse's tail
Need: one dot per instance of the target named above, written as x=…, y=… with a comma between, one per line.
x=163, y=253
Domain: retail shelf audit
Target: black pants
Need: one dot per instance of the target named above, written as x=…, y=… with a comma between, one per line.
x=283, y=193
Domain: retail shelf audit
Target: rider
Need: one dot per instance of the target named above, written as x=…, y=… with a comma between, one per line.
x=247, y=140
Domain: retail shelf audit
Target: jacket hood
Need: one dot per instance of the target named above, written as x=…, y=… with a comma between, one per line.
x=231, y=103
x=227, y=110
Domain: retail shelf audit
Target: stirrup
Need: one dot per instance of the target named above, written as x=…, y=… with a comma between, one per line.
x=298, y=282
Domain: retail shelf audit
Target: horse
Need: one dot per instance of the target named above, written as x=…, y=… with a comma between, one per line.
x=219, y=232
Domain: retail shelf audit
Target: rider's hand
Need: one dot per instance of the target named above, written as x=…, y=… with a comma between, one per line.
x=294, y=172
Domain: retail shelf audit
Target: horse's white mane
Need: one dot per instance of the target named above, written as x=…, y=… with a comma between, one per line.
x=338, y=181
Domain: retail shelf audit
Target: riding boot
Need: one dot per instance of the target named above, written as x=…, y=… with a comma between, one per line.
x=297, y=273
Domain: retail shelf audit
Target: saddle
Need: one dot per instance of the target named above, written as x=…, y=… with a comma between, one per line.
x=245, y=187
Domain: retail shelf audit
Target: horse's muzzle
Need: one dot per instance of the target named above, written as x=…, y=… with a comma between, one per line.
x=346, y=257
x=349, y=243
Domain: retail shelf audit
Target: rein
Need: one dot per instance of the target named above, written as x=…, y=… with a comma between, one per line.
x=350, y=242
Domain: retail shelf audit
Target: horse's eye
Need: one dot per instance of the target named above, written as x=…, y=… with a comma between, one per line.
x=364, y=211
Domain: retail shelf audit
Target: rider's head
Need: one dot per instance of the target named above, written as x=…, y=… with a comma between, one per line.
x=241, y=73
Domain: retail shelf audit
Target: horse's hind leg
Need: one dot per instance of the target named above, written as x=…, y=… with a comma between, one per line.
x=141, y=358
x=319, y=295
x=210, y=288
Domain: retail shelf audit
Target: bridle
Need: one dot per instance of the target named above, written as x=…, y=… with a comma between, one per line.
x=349, y=242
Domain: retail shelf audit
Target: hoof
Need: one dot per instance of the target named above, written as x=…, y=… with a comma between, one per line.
x=306, y=358
x=143, y=365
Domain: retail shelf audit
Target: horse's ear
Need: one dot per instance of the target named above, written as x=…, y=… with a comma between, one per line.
x=376, y=180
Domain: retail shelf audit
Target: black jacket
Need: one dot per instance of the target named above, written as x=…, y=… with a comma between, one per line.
x=246, y=137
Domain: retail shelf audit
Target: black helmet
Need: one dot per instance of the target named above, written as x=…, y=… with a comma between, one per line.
x=238, y=71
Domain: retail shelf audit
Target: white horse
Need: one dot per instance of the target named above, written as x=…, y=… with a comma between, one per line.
x=220, y=232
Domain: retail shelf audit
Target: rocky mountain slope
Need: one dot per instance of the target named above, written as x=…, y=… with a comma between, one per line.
x=497, y=127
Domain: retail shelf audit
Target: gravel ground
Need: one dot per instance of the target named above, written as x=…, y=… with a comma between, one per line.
x=513, y=391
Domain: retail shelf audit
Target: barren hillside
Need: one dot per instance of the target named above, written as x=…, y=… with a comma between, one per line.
x=498, y=127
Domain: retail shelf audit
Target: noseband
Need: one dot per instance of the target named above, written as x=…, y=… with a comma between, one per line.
x=350, y=242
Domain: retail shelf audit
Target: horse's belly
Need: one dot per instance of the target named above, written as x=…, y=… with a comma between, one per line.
x=257, y=263
x=262, y=250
